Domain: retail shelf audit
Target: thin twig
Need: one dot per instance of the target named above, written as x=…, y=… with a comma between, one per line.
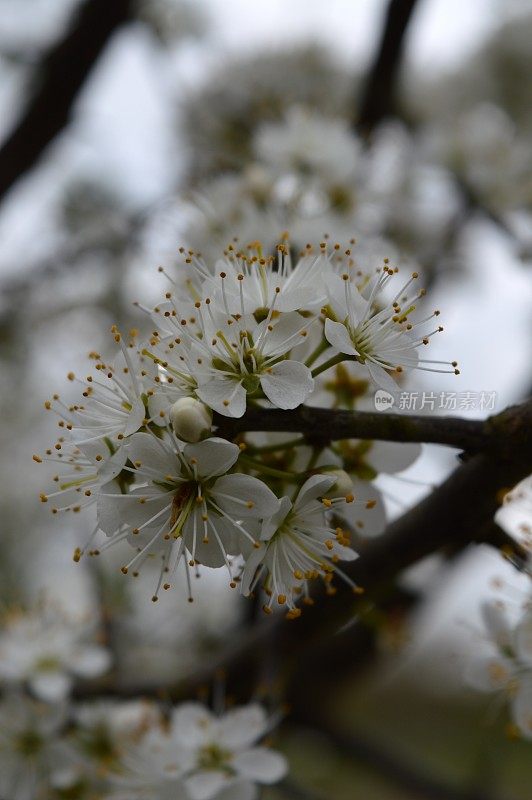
x=322, y=425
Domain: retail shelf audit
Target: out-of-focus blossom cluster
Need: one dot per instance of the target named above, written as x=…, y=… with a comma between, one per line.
x=502, y=660
x=221, y=119
x=132, y=750
x=313, y=174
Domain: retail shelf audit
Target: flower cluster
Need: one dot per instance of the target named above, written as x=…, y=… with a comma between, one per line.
x=199, y=756
x=129, y=751
x=504, y=662
x=311, y=172
x=219, y=119
x=45, y=650
x=249, y=330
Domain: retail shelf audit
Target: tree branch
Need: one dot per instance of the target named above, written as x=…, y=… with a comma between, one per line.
x=60, y=78
x=378, y=99
x=387, y=764
x=322, y=425
x=457, y=513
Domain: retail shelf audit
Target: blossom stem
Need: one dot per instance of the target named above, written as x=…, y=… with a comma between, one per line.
x=271, y=471
x=316, y=353
x=332, y=362
x=273, y=448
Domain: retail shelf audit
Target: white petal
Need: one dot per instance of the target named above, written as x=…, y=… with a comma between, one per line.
x=109, y=510
x=253, y=561
x=381, y=378
x=277, y=341
x=245, y=489
x=338, y=336
x=243, y=726
x=391, y=457
x=135, y=418
x=205, y=785
x=287, y=384
x=488, y=673
x=352, y=305
x=226, y=396
x=151, y=453
x=243, y=790
x=363, y=520
x=271, y=524
x=51, y=686
x=523, y=639
x=158, y=402
x=260, y=764
x=212, y=457
x=316, y=486
x=112, y=466
x=209, y=553
x=115, y=509
x=192, y=725
x=522, y=706
x=343, y=552
x=495, y=619
x=91, y=662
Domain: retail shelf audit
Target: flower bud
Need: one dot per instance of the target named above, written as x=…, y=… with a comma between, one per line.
x=343, y=484
x=191, y=419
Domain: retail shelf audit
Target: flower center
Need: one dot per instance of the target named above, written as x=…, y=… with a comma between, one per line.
x=213, y=757
x=182, y=504
x=48, y=664
x=29, y=743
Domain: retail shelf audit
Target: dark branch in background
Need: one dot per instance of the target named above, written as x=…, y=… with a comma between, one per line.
x=59, y=78
x=404, y=776
x=292, y=790
x=323, y=425
x=378, y=99
x=457, y=513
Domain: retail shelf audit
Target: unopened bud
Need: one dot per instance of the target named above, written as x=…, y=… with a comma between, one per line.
x=342, y=486
x=191, y=419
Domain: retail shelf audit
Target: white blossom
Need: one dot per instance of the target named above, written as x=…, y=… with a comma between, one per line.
x=149, y=769
x=309, y=145
x=197, y=755
x=248, y=282
x=297, y=544
x=246, y=357
x=380, y=337
x=105, y=727
x=48, y=650
x=112, y=405
x=31, y=754
x=84, y=470
x=504, y=662
x=186, y=507
x=219, y=755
